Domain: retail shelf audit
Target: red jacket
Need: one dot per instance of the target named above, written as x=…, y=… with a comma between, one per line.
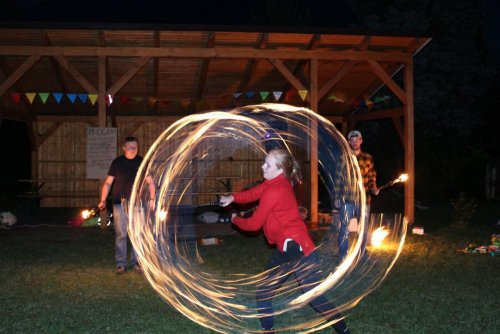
x=277, y=214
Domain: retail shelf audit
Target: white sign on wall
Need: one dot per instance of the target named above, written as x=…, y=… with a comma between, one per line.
x=101, y=150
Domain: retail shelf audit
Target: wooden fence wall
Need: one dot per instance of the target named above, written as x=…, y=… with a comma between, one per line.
x=61, y=166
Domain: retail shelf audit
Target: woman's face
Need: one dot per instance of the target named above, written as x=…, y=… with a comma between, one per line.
x=269, y=169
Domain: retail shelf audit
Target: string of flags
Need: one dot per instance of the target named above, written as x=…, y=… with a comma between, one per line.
x=73, y=98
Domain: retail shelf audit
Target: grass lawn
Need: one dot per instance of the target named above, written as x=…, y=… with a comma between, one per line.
x=61, y=280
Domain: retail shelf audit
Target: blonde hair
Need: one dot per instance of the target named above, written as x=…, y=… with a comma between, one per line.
x=285, y=161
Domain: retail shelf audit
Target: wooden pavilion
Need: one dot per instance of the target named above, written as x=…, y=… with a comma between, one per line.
x=60, y=80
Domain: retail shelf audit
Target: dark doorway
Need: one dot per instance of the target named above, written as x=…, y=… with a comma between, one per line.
x=16, y=162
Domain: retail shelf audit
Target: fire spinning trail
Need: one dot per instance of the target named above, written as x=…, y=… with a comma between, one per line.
x=193, y=149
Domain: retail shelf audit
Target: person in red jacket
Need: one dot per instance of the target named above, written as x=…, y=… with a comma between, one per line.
x=278, y=216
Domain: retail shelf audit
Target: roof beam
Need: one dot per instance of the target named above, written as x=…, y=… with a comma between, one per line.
x=278, y=64
x=313, y=44
x=16, y=85
x=55, y=65
x=252, y=63
x=204, y=68
x=76, y=75
x=386, y=78
x=128, y=75
x=188, y=52
x=335, y=79
x=18, y=73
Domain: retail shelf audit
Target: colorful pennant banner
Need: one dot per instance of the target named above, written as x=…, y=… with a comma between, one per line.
x=152, y=101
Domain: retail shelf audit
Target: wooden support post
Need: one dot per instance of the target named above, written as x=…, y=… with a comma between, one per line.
x=101, y=114
x=409, y=198
x=313, y=100
x=101, y=97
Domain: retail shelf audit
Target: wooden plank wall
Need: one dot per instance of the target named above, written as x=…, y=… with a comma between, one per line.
x=62, y=157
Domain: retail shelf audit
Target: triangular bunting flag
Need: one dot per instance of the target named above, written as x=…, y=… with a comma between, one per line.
x=249, y=94
x=43, y=97
x=277, y=95
x=123, y=99
x=16, y=97
x=57, y=97
x=109, y=100
x=30, y=96
x=71, y=97
x=164, y=102
x=289, y=95
x=185, y=104
x=303, y=94
x=378, y=99
x=92, y=98
x=236, y=95
x=152, y=101
x=337, y=97
x=138, y=99
x=83, y=97
x=264, y=95
x=369, y=103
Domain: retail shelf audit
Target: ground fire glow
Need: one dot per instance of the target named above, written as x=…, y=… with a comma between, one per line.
x=378, y=236
x=191, y=151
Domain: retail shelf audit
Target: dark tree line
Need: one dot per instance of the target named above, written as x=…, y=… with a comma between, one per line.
x=456, y=89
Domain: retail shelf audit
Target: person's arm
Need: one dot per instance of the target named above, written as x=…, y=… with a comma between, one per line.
x=106, y=187
x=268, y=201
x=246, y=196
x=152, y=192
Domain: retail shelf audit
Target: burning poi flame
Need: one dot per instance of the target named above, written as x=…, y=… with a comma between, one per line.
x=378, y=236
x=402, y=178
x=86, y=213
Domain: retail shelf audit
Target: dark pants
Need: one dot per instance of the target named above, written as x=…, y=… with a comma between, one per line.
x=292, y=261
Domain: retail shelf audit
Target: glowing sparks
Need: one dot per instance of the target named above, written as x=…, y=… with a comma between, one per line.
x=402, y=177
x=194, y=150
x=378, y=236
x=87, y=213
x=162, y=215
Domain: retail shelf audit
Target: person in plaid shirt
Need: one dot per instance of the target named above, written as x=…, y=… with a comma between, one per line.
x=346, y=200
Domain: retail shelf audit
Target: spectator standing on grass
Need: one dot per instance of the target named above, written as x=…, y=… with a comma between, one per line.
x=121, y=176
x=345, y=200
x=278, y=215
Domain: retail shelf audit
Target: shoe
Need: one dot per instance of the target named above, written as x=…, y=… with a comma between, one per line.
x=120, y=270
x=137, y=268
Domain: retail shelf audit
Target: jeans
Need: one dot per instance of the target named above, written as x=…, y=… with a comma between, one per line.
x=285, y=264
x=120, y=223
x=347, y=212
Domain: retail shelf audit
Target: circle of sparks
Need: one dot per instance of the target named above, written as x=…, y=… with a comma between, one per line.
x=197, y=148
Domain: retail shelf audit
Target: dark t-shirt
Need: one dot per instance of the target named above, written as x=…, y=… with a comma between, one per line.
x=124, y=171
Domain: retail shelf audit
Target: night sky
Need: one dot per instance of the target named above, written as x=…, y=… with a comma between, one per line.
x=199, y=12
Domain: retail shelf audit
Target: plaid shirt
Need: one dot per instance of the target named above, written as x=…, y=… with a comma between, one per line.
x=346, y=191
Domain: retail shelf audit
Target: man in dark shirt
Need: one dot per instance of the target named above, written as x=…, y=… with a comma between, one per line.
x=122, y=173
